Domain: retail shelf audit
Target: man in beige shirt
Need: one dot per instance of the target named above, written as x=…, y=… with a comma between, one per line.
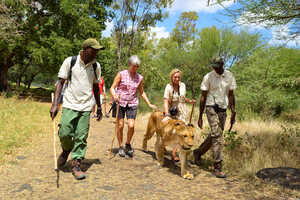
x=217, y=92
x=83, y=74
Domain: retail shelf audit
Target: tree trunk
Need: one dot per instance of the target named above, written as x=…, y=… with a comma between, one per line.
x=31, y=79
x=21, y=73
x=3, y=78
x=4, y=72
x=131, y=43
x=29, y=84
x=19, y=80
x=119, y=54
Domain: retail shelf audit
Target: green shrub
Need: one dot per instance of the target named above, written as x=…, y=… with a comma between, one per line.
x=267, y=102
x=232, y=140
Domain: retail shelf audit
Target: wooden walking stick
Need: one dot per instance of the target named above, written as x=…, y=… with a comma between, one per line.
x=191, y=116
x=105, y=103
x=54, y=147
x=116, y=128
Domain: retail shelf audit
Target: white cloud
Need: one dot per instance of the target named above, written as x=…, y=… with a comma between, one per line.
x=280, y=36
x=159, y=32
x=242, y=21
x=156, y=32
x=198, y=5
x=108, y=30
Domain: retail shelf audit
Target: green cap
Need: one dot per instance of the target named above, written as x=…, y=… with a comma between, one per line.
x=217, y=62
x=93, y=43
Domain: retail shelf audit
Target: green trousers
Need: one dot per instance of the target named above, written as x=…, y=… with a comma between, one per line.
x=73, y=132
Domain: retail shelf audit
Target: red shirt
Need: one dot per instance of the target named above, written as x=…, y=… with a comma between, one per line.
x=101, y=84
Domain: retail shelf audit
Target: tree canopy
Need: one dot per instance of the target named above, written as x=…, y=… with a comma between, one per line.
x=131, y=17
x=269, y=13
x=50, y=31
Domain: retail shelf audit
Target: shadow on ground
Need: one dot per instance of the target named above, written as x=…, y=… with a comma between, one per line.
x=284, y=176
x=85, y=165
x=175, y=167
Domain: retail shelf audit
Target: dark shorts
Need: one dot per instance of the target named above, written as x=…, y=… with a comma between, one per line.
x=129, y=111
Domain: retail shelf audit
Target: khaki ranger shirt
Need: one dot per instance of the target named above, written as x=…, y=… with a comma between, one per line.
x=218, y=87
x=78, y=93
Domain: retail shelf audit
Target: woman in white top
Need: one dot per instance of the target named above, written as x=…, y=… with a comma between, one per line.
x=174, y=95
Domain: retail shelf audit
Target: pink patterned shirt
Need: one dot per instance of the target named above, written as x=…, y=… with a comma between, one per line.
x=127, y=89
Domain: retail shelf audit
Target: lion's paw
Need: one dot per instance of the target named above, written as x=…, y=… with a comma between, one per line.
x=160, y=164
x=188, y=176
x=144, y=147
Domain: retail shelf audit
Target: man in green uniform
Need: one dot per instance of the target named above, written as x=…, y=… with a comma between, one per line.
x=83, y=74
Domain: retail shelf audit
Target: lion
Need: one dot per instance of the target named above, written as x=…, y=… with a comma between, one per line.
x=173, y=133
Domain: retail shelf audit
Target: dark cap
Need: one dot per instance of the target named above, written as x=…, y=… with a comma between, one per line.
x=93, y=43
x=217, y=62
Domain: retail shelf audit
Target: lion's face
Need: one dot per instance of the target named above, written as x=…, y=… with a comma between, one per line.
x=185, y=134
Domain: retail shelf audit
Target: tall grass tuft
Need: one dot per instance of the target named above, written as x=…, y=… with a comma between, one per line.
x=259, y=145
x=20, y=121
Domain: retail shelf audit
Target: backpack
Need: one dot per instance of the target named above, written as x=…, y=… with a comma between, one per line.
x=73, y=61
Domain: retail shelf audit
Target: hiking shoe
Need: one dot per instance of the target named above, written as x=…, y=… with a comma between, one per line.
x=76, y=171
x=62, y=159
x=129, y=150
x=121, y=152
x=218, y=170
x=219, y=174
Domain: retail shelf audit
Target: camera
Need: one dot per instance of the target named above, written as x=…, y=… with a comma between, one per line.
x=173, y=110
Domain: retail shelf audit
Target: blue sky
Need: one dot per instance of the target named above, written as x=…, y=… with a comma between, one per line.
x=213, y=16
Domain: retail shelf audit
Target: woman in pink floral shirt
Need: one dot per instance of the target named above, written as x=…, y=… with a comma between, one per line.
x=128, y=83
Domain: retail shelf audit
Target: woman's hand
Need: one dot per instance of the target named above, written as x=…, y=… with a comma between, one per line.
x=153, y=107
x=116, y=98
x=193, y=101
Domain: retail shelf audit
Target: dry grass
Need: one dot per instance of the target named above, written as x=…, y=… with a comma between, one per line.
x=264, y=145
x=21, y=121
x=258, y=144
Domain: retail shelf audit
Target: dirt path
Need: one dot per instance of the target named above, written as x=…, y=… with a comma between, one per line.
x=31, y=176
